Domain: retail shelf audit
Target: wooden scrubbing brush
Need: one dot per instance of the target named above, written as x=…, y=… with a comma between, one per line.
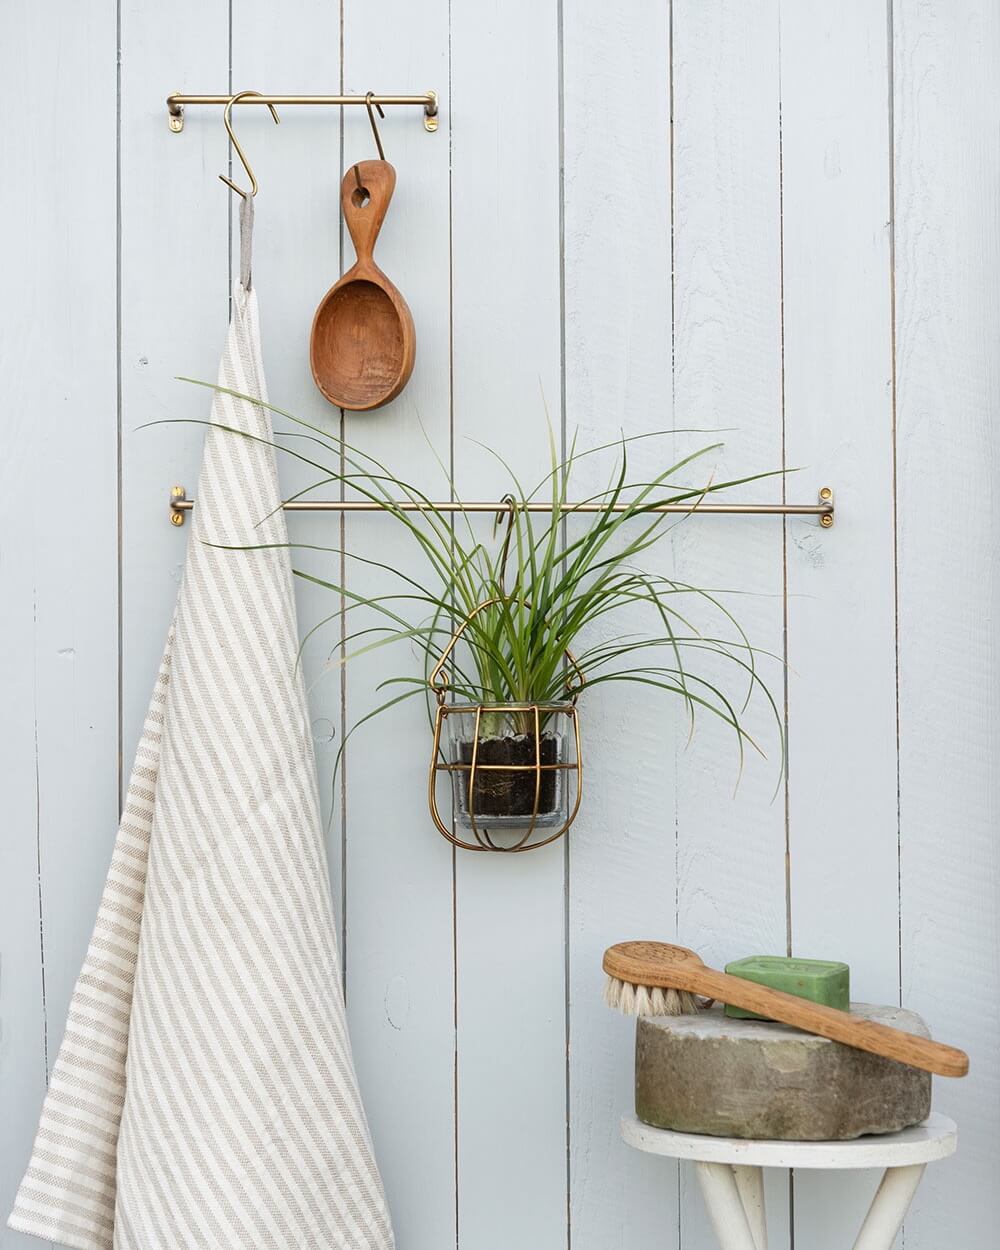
x=657, y=979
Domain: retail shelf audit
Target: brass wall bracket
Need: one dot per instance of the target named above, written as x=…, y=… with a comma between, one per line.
x=178, y=497
x=823, y=508
x=178, y=100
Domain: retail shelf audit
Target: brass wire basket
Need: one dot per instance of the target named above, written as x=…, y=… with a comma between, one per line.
x=518, y=803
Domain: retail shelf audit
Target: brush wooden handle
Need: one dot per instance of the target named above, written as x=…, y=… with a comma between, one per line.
x=839, y=1026
x=658, y=964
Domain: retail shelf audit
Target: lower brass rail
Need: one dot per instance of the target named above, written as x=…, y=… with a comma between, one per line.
x=823, y=508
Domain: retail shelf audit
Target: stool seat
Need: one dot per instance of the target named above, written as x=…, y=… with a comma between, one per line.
x=935, y=1139
x=731, y=1180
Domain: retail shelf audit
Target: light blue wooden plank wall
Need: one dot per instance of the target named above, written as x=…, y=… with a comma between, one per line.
x=775, y=218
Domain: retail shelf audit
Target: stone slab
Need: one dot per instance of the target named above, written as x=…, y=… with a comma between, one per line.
x=756, y=1079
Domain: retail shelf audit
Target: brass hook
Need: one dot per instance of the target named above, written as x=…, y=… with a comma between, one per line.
x=509, y=513
x=227, y=118
x=371, y=117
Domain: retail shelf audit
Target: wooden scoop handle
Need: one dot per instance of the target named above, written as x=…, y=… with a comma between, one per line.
x=660, y=964
x=364, y=197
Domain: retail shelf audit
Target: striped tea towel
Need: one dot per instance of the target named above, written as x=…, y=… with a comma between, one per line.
x=204, y=1097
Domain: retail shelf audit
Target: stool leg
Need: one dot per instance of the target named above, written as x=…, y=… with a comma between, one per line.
x=889, y=1206
x=724, y=1205
x=750, y=1184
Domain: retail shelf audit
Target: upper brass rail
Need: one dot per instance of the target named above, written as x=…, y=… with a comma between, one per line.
x=178, y=99
x=824, y=508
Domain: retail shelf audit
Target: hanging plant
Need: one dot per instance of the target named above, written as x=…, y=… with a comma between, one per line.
x=509, y=633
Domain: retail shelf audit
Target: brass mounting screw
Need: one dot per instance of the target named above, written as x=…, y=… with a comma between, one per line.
x=826, y=496
x=176, y=516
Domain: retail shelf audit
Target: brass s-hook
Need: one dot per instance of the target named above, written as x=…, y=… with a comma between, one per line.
x=227, y=118
x=505, y=513
x=369, y=95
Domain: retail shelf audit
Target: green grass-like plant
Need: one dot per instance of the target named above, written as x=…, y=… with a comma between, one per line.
x=554, y=576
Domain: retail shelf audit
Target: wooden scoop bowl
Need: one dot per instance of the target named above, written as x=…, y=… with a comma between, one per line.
x=659, y=965
x=362, y=344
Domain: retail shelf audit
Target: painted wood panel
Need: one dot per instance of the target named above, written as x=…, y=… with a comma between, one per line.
x=174, y=276
x=773, y=219
x=840, y=594
x=946, y=69
x=400, y=895
x=727, y=380
x=506, y=332
x=58, y=537
x=296, y=249
x=621, y=852
x=838, y=405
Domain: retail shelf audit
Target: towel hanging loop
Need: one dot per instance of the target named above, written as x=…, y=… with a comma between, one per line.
x=227, y=118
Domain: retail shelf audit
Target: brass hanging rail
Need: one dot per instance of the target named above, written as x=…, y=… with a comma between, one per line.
x=177, y=101
x=824, y=509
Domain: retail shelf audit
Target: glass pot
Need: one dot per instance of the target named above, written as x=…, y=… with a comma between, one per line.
x=515, y=768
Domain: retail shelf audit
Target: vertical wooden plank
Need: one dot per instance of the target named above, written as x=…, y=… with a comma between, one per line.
x=617, y=374
x=296, y=250
x=60, y=566
x=841, y=610
x=398, y=974
x=174, y=307
x=510, y=909
x=727, y=380
x=59, y=526
x=947, y=253
x=400, y=941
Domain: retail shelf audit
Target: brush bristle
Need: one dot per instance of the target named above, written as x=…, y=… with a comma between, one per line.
x=641, y=1000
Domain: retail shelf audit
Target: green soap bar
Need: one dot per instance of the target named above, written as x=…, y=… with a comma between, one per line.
x=819, y=980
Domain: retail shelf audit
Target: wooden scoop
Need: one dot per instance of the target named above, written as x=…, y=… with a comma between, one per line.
x=362, y=344
x=658, y=965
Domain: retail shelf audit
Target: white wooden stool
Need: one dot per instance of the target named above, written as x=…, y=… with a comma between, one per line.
x=729, y=1173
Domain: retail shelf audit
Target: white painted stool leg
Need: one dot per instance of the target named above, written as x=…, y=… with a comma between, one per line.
x=889, y=1206
x=750, y=1184
x=724, y=1205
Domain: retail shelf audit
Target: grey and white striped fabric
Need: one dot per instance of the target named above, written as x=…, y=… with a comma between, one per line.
x=204, y=1096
